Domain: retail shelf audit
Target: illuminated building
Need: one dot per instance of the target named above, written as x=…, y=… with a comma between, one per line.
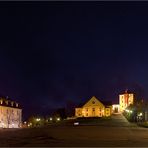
x=116, y=108
x=93, y=108
x=10, y=114
x=125, y=100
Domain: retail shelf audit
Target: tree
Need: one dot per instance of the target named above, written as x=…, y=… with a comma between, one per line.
x=60, y=112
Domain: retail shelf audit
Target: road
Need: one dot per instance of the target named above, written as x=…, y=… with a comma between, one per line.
x=117, y=132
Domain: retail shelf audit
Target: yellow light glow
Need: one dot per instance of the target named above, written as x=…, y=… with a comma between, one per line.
x=58, y=119
x=127, y=110
x=83, y=112
x=140, y=114
x=38, y=119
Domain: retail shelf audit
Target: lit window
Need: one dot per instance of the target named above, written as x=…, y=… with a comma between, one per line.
x=6, y=102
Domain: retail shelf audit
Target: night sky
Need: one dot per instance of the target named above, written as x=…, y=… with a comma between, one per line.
x=52, y=53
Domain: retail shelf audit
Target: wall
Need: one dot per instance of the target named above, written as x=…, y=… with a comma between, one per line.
x=10, y=117
x=125, y=100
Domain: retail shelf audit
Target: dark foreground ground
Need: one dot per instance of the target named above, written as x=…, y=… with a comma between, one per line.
x=116, y=131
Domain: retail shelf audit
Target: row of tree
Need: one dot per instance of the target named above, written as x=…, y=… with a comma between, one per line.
x=39, y=121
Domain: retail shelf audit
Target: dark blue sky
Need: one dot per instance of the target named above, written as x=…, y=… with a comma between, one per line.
x=52, y=53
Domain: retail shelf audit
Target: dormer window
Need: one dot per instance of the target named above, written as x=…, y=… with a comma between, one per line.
x=6, y=102
x=16, y=104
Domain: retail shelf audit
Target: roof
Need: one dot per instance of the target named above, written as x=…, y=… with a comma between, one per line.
x=105, y=103
x=9, y=103
x=93, y=101
x=126, y=92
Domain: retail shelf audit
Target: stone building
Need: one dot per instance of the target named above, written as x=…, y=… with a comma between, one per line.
x=10, y=114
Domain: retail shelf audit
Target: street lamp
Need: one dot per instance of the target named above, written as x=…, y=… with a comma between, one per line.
x=38, y=119
x=58, y=119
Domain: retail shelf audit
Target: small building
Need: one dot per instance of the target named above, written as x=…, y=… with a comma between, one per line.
x=10, y=114
x=94, y=108
x=116, y=108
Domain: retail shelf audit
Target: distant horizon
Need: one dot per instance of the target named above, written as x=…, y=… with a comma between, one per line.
x=49, y=111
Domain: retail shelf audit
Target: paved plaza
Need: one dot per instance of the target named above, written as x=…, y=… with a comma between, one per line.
x=116, y=132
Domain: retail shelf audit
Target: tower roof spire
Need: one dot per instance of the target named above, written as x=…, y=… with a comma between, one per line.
x=126, y=90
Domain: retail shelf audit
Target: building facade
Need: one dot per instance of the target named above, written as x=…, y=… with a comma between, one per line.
x=116, y=108
x=125, y=100
x=10, y=114
x=93, y=108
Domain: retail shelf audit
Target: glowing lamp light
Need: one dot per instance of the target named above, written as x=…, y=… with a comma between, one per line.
x=29, y=124
x=38, y=119
x=58, y=119
x=50, y=119
x=140, y=114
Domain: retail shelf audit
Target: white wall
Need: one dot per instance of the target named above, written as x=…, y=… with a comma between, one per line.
x=10, y=117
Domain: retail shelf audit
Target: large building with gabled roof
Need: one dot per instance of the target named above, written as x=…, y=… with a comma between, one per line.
x=10, y=113
x=93, y=108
